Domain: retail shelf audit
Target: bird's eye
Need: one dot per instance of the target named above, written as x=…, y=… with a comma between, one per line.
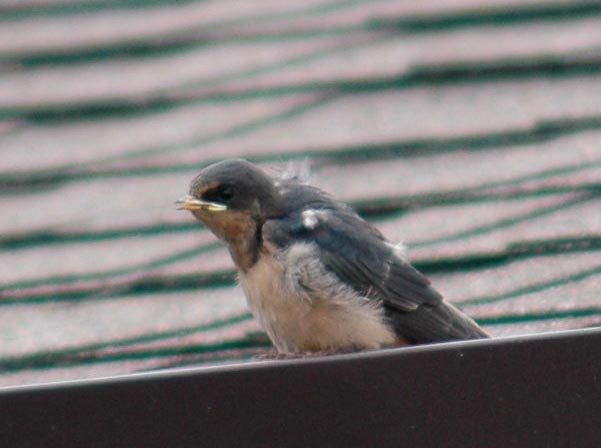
x=225, y=193
x=222, y=193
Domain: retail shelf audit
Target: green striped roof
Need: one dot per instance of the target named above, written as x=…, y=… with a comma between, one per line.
x=469, y=130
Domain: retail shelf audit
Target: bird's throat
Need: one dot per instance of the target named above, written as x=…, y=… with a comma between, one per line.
x=243, y=240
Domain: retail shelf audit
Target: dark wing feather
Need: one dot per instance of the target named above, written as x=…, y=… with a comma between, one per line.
x=376, y=272
x=360, y=257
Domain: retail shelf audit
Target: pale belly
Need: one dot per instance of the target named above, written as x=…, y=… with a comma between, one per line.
x=326, y=316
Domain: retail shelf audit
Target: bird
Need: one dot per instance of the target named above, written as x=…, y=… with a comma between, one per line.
x=317, y=276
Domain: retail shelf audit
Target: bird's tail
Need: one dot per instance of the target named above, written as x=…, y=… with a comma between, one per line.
x=437, y=323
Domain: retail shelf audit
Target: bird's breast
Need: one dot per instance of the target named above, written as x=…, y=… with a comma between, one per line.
x=279, y=311
x=303, y=308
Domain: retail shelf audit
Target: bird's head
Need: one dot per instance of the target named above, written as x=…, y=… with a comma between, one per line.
x=232, y=198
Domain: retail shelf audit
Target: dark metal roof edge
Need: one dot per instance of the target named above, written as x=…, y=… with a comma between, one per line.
x=539, y=390
x=259, y=364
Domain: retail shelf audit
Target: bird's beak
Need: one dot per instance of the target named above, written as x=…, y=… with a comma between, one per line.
x=191, y=203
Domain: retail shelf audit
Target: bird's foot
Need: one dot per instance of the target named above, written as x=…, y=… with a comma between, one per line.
x=274, y=354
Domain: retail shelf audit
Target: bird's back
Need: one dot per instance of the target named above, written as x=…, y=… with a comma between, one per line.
x=361, y=258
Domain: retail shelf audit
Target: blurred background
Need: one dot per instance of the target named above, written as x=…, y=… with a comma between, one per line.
x=471, y=130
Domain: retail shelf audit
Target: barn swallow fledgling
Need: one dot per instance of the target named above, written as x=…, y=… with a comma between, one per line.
x=316, y=275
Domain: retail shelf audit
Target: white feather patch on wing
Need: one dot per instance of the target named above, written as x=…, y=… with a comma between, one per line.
x=310, y=219
x=313, y=217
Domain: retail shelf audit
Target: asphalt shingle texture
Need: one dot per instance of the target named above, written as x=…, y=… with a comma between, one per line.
x=469, y=130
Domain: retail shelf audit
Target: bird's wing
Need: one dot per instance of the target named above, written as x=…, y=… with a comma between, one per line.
x=358, y=255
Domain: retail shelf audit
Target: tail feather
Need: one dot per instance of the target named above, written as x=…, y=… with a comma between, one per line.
x=437, y=323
